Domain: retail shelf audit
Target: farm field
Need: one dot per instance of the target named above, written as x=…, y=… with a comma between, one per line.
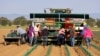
x=50, y=50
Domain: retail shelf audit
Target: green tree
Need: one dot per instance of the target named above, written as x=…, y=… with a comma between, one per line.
x=10, y=23
x=98, y=22
x=20, y=21
x=91, y=22
x=29, y=22
x=4, y=21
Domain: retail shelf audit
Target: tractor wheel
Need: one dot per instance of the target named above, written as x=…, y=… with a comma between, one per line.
x=5, y=43
x=18, y=42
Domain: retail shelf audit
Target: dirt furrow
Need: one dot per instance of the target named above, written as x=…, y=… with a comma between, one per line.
x=58, y=51
x=72, y=51
x=79, y=51
x=55, y=51
x=45, y=51
x=94, y=51
x=63, y=51
x=40, y=51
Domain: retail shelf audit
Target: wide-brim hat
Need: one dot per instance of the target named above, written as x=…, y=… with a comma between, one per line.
x=18, y=25
x=45, y=27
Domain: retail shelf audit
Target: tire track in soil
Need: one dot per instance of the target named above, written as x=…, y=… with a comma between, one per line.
x=58, y=51
x=72, y=51
x=40, y=51
x=79, y=51
x=94, y=51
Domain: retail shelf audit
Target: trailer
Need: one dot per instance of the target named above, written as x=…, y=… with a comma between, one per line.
x=10, y=39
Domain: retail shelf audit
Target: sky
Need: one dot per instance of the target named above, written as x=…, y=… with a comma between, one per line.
x=16, y=8
x=37, y=6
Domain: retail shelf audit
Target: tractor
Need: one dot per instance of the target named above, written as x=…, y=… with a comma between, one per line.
x=58, y=18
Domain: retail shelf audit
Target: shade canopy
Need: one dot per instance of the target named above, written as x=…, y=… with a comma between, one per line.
x=58, y=15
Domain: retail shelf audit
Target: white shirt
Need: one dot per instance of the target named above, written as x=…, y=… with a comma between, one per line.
x=20, y=31
x=36, y=29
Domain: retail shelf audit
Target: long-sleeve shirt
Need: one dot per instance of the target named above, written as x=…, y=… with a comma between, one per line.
x=31, y=32
x=72, y=32
x=45, y=32
x=88, y=33
x=20, y=31
x=61, y=31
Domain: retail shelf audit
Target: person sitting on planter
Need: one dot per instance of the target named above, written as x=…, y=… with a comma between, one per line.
x=12, y=34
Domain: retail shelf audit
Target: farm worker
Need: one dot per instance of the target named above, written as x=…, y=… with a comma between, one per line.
x=37, y=31
x=45, y=33
x=22, y=33
x=72, y=35
x=27, y=38
x=67, y=34
x=61, y=36
x=31, y=34
x=12, y=34
x=84, y=23
x=88, y=35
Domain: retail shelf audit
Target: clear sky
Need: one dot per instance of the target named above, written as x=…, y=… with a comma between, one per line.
x=37, y=6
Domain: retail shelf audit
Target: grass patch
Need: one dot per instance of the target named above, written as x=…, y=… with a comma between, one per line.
x=10, y=27
x=94, y=28
x=96, y=35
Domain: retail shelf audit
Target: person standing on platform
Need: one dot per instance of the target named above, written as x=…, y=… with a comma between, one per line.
x=37, y=30
x=31, y=34
x=45, y=33
x=72, y=36
x=22, y=33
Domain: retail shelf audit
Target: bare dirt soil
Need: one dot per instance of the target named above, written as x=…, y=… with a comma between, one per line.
x=72, y=51
x=94, y=51
x=11, y=49
x=40, y=51
x=58, y=51
x=79, y=51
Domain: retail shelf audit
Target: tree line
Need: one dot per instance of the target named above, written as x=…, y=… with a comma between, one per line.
x=17, y=21
x=23, y=21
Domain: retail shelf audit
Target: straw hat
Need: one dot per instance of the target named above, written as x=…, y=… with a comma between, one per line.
x=45, y=27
